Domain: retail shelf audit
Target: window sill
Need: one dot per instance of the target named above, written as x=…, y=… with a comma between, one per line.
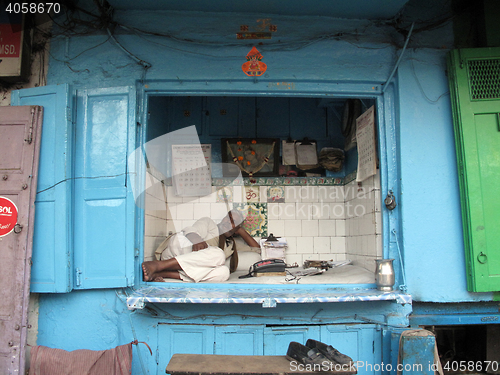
x=267, y=296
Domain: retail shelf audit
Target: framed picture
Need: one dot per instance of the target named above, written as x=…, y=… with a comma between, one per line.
x=254, y=157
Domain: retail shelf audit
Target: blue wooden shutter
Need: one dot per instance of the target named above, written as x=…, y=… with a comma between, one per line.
x=103, y=199
x=52, y=256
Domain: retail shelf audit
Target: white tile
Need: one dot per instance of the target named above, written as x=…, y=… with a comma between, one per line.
x=287, y=211
x=185, y=211
x=308, y=194
x=292, y=245
x=171, y=197
x=263, y=194
x=337, y=211
x=330, y=194
x=302, y=211
x=171, y=211
x=177, y=224
x=320, y=211
x=376, y=179
x=337, y=244
x=377, y=201
x=293, y=228
x=201, y=210
x=161, y=228
x=305, y=245
x=370, y=244
x=310, y=228
x=211, y=198
x=274, y=211
x=149, y=226
x=327, y=228
x=187, y=223
x=369, y=222
x=239, y=194
x=322, y=245
x=378, y=246
x=349, y=246
x=218, y=211
x=292, y=194
x=171, y=227
x=354, y=227
x=350, y=191
x=190, y=199
x=149, y=247
x=378, y=223
x=276, y=227
x=340, y=228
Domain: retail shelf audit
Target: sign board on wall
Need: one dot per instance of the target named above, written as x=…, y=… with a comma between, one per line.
x=14, y=53
x=8, y=216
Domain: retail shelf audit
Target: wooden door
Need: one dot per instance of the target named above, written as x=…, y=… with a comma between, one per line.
x=20, y=133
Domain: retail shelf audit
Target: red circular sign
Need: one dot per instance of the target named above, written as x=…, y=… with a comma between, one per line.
x=8, y=216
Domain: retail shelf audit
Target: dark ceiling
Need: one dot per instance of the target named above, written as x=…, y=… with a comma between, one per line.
x=353, y=9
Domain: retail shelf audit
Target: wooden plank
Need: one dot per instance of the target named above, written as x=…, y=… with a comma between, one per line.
x=198, y=364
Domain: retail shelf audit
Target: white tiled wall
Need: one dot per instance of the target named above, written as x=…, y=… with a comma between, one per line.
x=363, y=224
x=319, y=222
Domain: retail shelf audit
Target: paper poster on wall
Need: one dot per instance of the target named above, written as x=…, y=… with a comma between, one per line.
x=288, y=150
x=192, y=174
x=367, y=150
x=254, y=67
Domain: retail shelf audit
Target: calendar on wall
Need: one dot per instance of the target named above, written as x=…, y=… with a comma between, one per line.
x=367, y=147
x=192, y=174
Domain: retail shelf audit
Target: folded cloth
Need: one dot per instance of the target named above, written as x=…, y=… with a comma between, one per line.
x=49, y=361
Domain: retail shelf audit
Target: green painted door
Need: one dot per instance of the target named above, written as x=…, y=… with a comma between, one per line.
x=475, y=94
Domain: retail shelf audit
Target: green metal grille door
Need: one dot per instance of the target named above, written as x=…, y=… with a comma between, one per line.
x=475, y=93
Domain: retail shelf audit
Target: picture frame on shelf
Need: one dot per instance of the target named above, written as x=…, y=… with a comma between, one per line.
x=254, y=157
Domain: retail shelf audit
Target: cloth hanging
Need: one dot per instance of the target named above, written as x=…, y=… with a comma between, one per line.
x=49, y=361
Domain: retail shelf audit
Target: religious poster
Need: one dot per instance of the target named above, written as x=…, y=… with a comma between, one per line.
x=254, y=67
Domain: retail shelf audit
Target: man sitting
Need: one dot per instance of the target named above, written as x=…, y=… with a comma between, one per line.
x=199, y=253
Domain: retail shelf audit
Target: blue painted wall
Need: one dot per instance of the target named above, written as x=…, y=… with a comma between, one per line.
x=305, y=50
x=203, y=46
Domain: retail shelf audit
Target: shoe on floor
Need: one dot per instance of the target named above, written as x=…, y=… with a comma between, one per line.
x=305, y=355
x=329, y=352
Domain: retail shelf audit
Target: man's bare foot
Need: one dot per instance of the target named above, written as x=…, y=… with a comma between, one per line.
x=149, y=270
x=159, y=279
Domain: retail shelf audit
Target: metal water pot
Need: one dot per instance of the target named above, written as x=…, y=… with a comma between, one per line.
x=384, y=274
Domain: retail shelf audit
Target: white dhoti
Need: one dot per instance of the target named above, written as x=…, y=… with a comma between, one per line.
x=203, y=265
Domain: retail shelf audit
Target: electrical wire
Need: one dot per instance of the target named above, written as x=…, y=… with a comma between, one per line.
x=422, y=89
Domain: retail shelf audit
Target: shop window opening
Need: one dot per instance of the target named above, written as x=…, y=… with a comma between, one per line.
x=324, y=218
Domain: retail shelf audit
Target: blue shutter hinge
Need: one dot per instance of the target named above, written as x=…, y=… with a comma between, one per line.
x=136, y=252
x=78, y=277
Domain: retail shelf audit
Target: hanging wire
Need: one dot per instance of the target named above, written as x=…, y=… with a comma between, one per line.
x=399, y=59
x=422, y=89
x=134, y=334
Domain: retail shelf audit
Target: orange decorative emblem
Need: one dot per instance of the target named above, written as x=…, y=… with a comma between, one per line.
x=254, y=66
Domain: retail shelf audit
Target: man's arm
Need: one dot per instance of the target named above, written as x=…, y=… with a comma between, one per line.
x=198, y=243
x=247, y=238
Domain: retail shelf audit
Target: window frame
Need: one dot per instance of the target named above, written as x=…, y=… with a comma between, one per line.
x=386, y=117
